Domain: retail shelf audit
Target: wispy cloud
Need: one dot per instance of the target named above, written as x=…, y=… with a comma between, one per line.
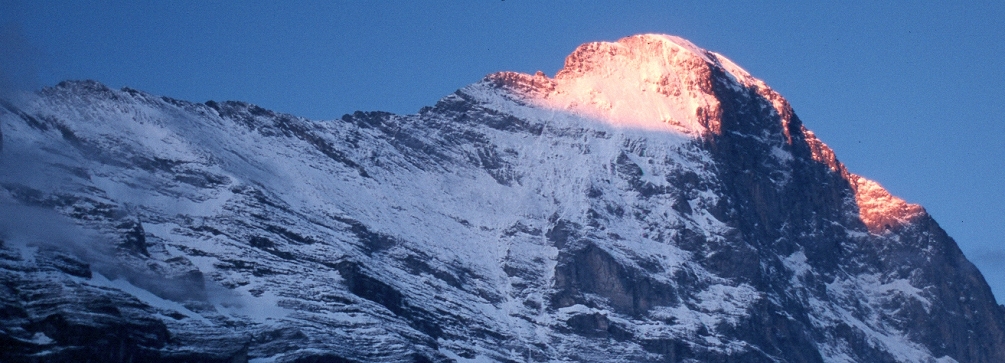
x=29, y=228
x=994, y=257
x=20, y=61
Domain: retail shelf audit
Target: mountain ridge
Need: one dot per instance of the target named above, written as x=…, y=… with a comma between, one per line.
x=489, y=226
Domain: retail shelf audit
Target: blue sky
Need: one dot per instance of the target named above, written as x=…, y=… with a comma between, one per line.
x=909, y=95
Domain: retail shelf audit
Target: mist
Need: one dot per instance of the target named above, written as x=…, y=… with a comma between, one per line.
x=19, y=61
x=37, y=232
x=31, y=226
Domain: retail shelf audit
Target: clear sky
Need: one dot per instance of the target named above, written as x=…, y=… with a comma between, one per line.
x=910, y=95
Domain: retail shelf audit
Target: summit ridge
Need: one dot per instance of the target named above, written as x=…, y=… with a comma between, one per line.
x=649, y=81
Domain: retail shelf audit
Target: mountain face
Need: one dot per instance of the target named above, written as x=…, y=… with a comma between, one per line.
x=652, y=202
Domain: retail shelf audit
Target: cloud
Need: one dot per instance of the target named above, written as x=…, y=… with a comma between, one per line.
x=33, y=228
x=991, y=263
x=22, y=225
x=20, y=61
x=994, y=257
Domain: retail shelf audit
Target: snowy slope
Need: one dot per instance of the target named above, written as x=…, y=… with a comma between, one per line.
x=651, y=202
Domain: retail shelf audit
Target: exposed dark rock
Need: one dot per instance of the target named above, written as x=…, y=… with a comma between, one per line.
x=134, y=238
x=591, y=270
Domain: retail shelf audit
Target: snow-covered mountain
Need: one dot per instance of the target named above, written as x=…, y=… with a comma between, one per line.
x=651, y=202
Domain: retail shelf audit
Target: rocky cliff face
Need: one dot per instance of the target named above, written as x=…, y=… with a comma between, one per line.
x=652, y=202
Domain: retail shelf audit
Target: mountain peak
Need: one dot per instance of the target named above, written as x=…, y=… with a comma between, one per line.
x=653, y=54
x=647, y=81
x=500, y=225
x=666, y=83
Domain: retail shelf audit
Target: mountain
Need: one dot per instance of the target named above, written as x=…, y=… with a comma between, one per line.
x=652, y=202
